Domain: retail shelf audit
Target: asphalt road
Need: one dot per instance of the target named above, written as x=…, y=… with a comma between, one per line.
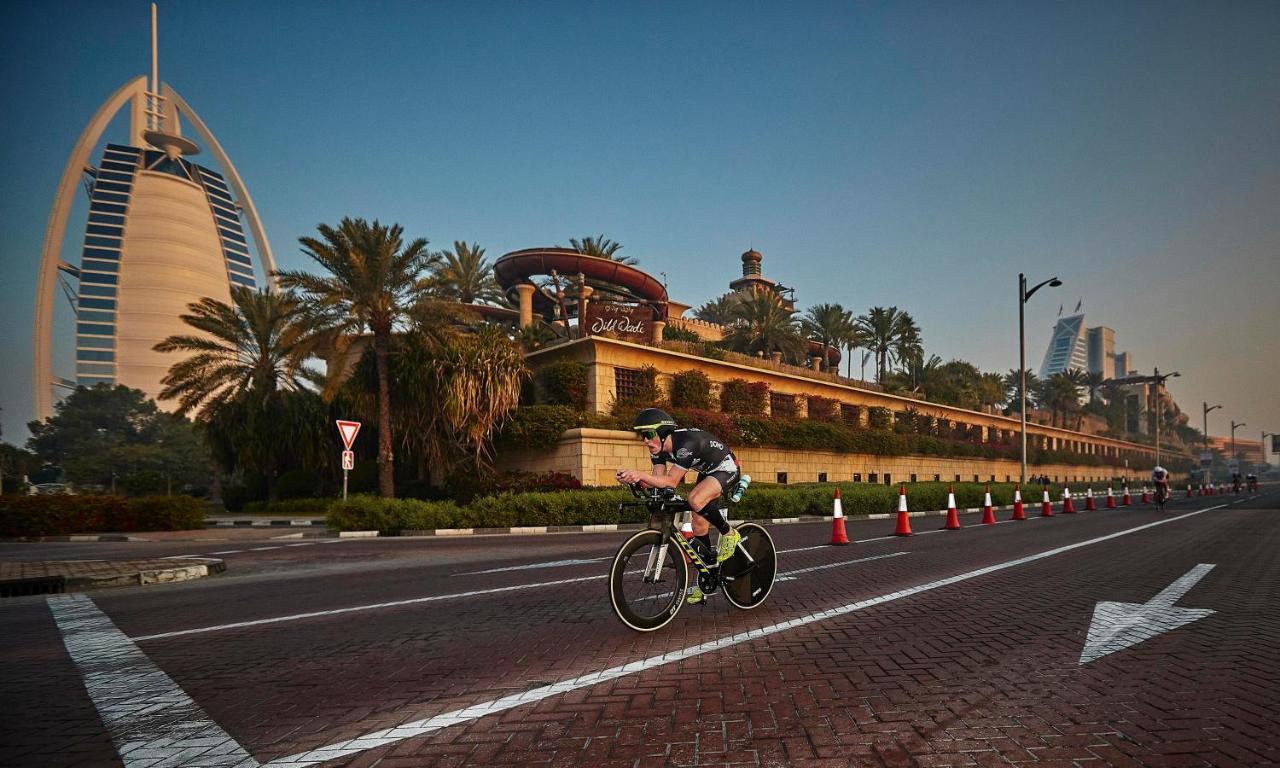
x=1115, y=637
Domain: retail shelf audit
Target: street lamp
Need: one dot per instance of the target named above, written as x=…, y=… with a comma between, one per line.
x=1234, y=427
x=1208, y=471
x=1024, y=295
x=1159, y=380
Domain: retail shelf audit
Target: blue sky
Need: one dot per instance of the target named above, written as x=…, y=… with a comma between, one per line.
x=914, y=154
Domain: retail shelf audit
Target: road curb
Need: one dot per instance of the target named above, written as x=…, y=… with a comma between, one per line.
x=184, y=570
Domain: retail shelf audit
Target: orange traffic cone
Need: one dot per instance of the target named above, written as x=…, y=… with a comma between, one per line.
x=988, y=513
x=1146, y=497
x=1111, y=499
x=1126, y=499
x=1088, y=500
x=904, y=523
x=1046, y=506
x=1189, y=493
x=838, y=536
x=1018, y=513
x=953, y=514
x=1067, y=505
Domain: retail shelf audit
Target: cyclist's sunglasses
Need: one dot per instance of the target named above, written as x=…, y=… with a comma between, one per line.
x=648, y=434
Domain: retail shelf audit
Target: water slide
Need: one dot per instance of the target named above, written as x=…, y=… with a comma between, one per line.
x=517, y=267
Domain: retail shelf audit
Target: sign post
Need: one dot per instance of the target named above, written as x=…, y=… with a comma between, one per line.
x=348, y=430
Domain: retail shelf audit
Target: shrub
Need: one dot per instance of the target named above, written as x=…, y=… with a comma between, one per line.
x=298, y=484
x=680, y=333
x=721, y=425
x=57, y=515
x=537, y=426
x=565, y=383
x=822, y=408
x=738, y=396
x=878, y=418
x=711, y=351
x=391, y=516
x=691, y=389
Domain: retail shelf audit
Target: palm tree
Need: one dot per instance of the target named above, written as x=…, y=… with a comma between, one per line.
x=600, y=247
x=464, y=275
x=718, y=311
x=1011, y=384
x=879, y=329
x=762, y=324
x=374, y=278
x=1093, y=384
x=247, y=379
x=909, y=344
x=829, y=324
x=991, y=391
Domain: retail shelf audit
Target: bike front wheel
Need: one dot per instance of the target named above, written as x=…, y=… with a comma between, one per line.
x=749, y=574
x=647, y=581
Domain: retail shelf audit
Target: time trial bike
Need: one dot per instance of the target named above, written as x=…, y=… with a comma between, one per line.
x=649, y=577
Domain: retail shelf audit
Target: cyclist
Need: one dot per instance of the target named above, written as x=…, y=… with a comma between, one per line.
x=1235, y=482
x=1160, y=478
x=690, y=449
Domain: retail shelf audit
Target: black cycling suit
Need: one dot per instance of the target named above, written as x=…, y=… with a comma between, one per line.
x=701, y=452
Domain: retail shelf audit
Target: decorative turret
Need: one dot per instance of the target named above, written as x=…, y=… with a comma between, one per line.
x=751, y=263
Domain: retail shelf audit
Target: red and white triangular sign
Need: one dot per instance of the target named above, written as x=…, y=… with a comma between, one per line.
x=348, y=429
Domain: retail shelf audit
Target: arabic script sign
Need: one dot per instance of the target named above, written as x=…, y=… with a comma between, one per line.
x=623, y=321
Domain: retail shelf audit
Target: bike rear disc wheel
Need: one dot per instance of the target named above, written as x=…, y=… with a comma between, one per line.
x=749, y=590
x=646, y=606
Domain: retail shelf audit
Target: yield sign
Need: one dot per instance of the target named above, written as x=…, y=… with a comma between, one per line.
x=1117, y=626
x=348, y=429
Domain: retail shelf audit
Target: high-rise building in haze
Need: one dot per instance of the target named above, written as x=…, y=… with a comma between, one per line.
x=1073, y=345
x=162, y=232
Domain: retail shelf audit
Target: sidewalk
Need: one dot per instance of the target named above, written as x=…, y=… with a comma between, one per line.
x=56, y=576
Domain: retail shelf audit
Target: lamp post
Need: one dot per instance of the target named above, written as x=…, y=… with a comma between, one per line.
x=1234, y=427
x=1208, y=471
x=1023, y=296
x=1159, y=380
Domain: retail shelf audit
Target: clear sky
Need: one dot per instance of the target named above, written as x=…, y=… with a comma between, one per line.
x=913, y=154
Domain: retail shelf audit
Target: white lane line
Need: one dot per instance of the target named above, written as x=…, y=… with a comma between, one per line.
x=228, y=552
x=264, y=549
x=357, y=608
x=550, y=564
x=151, y=720
x=483, y=709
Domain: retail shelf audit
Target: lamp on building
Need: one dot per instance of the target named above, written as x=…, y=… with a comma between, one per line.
x=1024, y=295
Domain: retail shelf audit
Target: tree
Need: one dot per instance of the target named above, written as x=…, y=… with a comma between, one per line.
x=763, y=325
x=991, y=391
x=880, y=329
x=719, y=311
x=247, y=379
x=1012, y=384
x=451, y=393
x=829, y=324
x=1093, y=384
x=908, y=343
x=600, y=247
x=464, y=275
x=102, y=432
x=373, y=279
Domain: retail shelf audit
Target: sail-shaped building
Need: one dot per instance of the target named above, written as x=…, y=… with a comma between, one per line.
x=162, y=232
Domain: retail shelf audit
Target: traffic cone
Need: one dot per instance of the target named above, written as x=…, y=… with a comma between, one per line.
x=1018, y=513
x=953, y=514
x=1146, y=497
x=1111, y=499
x=1126, y=499
x=904, y=523
x=1046, y=506
x=1088, y=500
x=838, y=536
x=1067, y=505
x=988, y=513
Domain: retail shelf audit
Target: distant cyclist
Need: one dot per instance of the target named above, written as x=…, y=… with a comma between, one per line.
x=697, y=450
x=1160, y=478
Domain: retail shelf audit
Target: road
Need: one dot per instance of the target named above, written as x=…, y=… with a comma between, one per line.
x=1115, y=637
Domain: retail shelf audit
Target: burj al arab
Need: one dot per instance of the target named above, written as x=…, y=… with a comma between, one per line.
x=161, y=232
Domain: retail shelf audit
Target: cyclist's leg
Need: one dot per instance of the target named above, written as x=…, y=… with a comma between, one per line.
x=706, y=512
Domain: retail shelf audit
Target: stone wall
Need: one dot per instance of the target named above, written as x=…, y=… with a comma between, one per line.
x=594, y=455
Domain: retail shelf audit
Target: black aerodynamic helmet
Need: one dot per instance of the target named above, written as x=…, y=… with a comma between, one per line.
x=654, y=420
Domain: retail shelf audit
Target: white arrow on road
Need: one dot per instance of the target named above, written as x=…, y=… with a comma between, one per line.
x=1117, y=626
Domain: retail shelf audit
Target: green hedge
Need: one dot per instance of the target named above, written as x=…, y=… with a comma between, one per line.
x=61, y=515
x=588, y=507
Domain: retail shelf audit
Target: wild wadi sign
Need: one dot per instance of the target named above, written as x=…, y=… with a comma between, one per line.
x=623, y=321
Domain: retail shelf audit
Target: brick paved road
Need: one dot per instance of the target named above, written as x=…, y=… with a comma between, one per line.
x=982, y=671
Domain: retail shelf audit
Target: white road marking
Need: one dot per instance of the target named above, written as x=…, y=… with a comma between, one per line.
x=792, y=574
x=550, y=564
x=483, y=709
x=264, y=549
x=151, y=720
x=1116, y=626
x=228, y=552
